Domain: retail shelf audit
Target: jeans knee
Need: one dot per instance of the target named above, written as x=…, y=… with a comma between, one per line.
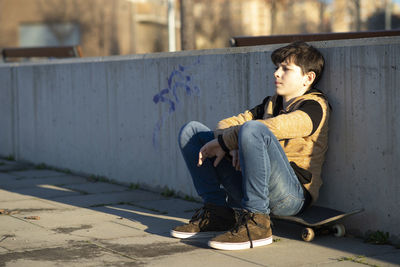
x=187, y=131
x=252, y=128
x=252, y=131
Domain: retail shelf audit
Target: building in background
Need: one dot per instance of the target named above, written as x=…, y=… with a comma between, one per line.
x=121, y=27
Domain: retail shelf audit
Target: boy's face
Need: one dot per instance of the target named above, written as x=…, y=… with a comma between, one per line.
x=290, y=81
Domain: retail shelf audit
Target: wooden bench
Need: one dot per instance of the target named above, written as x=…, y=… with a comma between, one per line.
x=40, y=52
x=278, y=39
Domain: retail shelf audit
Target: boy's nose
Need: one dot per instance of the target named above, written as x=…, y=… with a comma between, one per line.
x=276, y=73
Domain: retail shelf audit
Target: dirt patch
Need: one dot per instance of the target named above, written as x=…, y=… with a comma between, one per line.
x=35, y=218
x=77, y=251
x=67, y=230
x=34, y=210
x=151, y=250
x=16, y=211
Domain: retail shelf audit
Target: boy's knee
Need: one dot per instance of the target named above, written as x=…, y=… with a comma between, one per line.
x=190, y=126
x=252, y=130
x=187, y=131
x=253, y=127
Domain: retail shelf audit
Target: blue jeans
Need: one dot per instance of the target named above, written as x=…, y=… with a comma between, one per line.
x=266, y=182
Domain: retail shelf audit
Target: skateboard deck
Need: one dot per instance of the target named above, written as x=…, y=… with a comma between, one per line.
x=318, y=219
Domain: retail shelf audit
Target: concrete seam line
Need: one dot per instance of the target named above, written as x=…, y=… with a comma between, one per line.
x=111, y=250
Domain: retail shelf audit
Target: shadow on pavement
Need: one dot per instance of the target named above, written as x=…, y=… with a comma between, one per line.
x=154, y=213
x=139, y=210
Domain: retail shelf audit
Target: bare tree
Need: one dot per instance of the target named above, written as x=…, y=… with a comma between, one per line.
x=322, y=8
x=355, y=11
x=187, y=25
x=217, y=22
x=388, y=14
x=273, y=16
x=56, y=12
x=114, y=42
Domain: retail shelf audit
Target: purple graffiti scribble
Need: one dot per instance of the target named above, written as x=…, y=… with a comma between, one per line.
x=160, y=98
x=179, y=79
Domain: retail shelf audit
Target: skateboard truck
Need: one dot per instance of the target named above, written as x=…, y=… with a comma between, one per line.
x=317, y=220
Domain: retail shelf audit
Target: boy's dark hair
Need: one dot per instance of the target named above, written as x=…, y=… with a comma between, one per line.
x=307, y=57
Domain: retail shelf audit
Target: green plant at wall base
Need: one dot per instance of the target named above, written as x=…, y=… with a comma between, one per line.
x=41, y=166
x=168, y=192
x=378, y=238
x=98, y=178
x=357, y=259
x=134, y=186
x=10, y=158
x=190, y=198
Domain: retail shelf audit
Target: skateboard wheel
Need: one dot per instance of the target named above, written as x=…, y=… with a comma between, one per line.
x=308, y=234
x=339, y=230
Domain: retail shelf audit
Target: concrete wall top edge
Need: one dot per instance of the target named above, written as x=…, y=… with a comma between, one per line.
x=358, y=42
x=218, y=51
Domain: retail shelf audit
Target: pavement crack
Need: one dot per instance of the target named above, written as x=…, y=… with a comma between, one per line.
x=241, y=259
x=113, y=251
x=27, y=221
x=129, y=226
x=4, y=237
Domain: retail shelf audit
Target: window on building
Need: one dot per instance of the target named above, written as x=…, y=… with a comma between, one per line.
x=54, y=34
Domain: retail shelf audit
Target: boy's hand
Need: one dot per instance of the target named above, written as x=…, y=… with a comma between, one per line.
x=235, y=159
x=210, y=150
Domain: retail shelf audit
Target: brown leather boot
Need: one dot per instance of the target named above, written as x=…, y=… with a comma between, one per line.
x=251, y=230
x=208, y=221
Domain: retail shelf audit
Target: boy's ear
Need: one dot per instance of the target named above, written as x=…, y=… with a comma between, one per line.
x=310, y=77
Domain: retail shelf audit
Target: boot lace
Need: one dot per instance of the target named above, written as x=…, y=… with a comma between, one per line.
x=243, y=220
x=201, y=214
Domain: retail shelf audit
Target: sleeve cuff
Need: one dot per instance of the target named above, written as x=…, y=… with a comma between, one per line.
x=222, y=143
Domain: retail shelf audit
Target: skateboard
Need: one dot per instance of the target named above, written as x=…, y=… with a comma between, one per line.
x=317, y=220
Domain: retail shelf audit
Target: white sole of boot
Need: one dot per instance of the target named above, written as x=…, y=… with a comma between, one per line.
x=184, y=235
x=240, y=246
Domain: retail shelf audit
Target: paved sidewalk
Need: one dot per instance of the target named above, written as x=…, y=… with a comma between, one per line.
x=52, y=218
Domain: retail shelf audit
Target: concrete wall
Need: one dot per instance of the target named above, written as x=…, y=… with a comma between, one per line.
x=119, y=117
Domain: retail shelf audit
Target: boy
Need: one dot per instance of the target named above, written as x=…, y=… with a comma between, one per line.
x=276, y=150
